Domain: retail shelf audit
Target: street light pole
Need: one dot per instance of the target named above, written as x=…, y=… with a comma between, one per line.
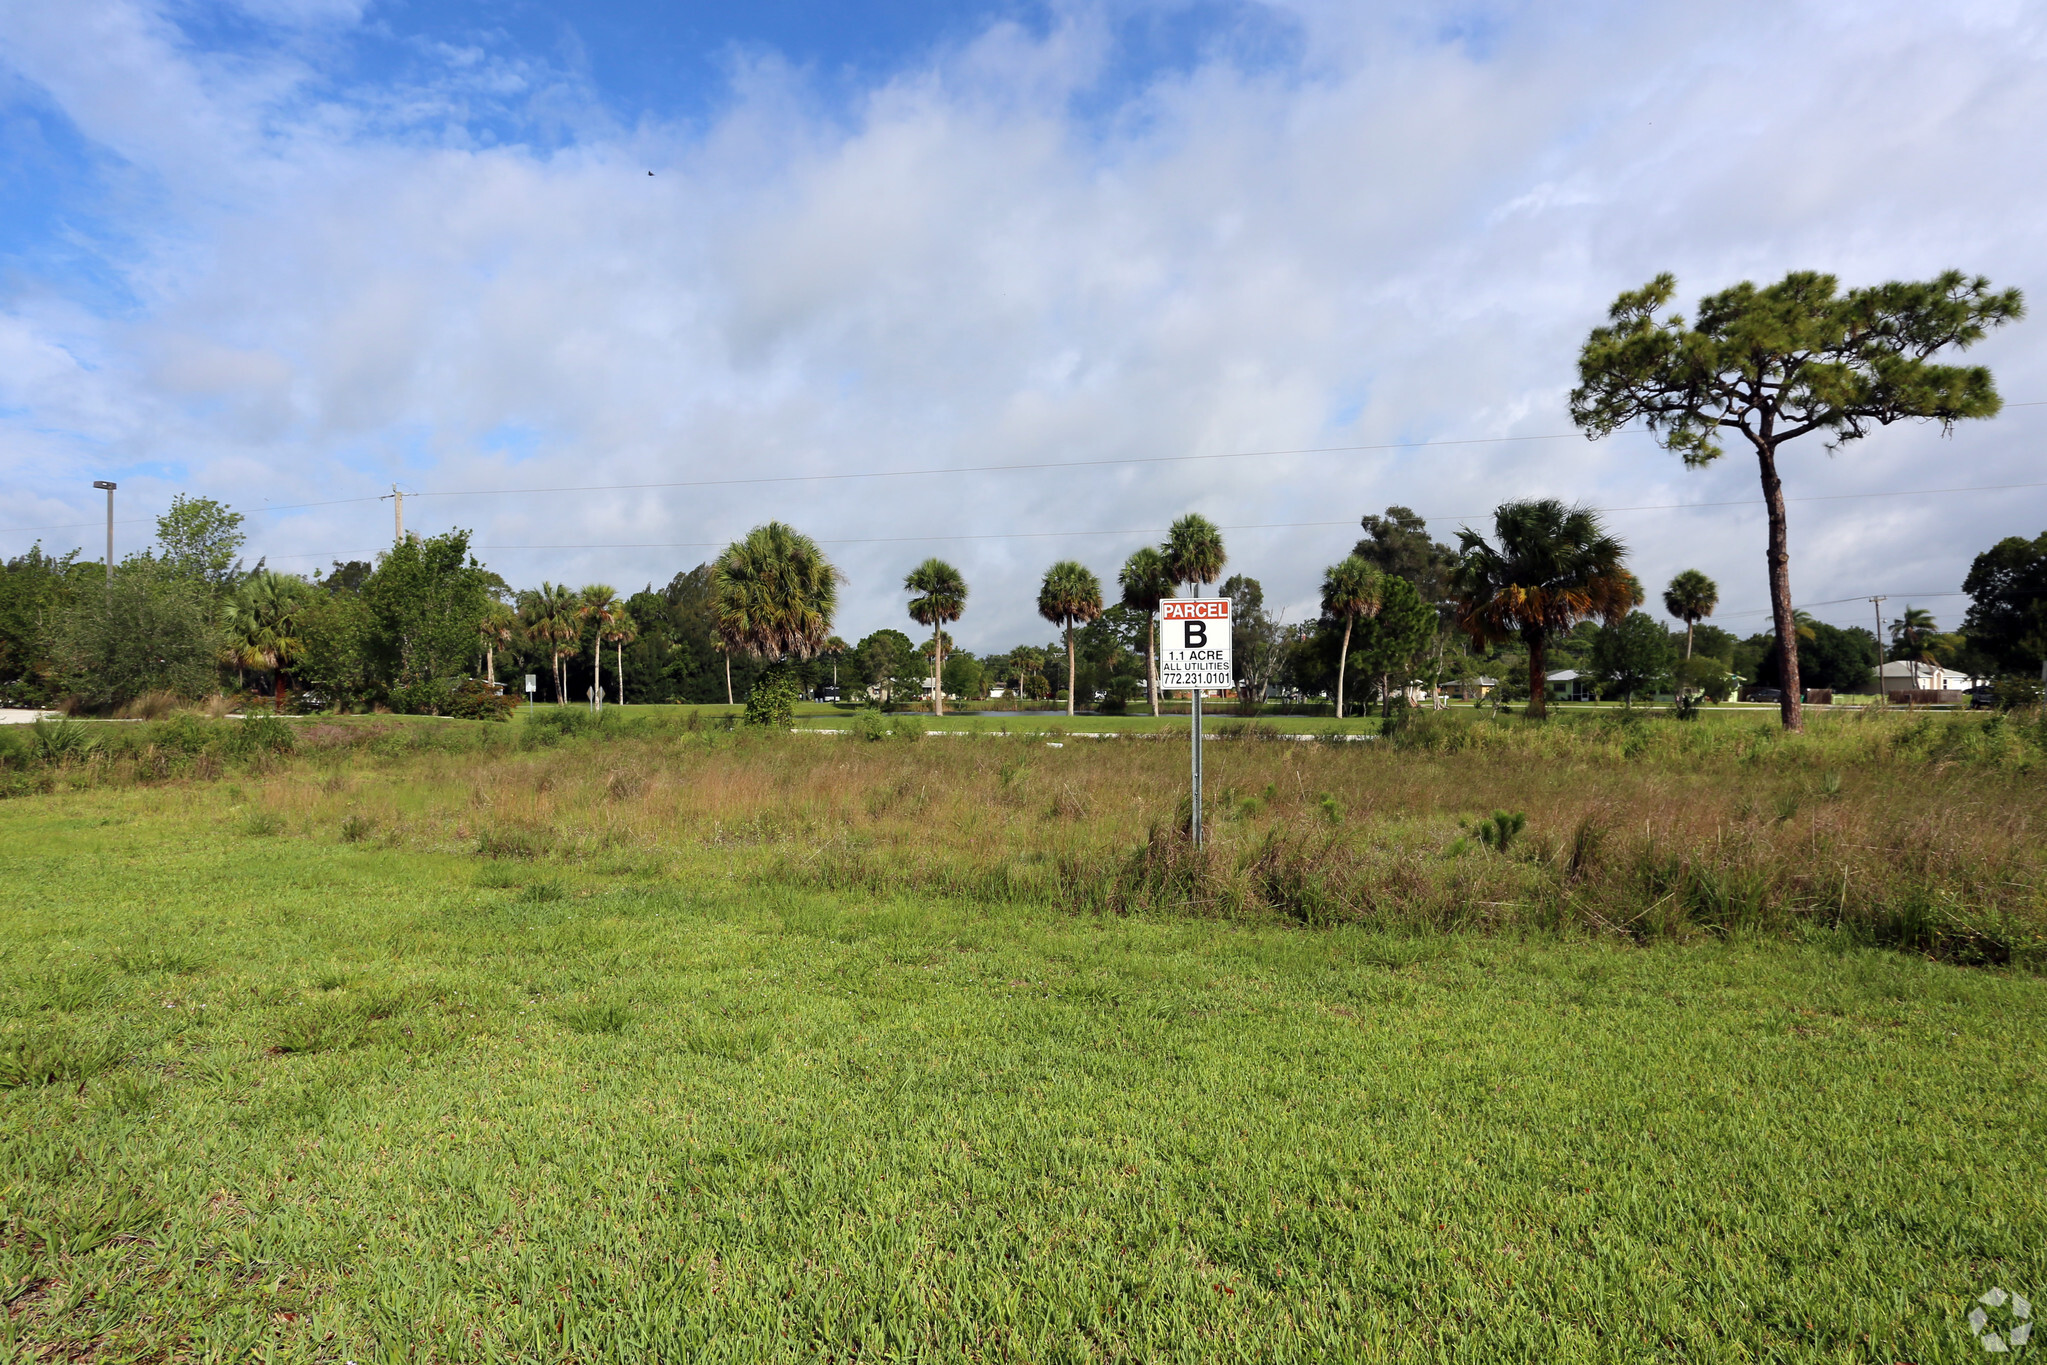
x=102, y=483
x=1877, y=605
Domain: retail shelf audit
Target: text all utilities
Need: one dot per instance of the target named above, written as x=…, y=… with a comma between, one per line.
x=1194, y=645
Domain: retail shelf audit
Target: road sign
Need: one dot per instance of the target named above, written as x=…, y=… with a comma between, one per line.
x=1195, y=656
x=532, y=682
x=1194, y=645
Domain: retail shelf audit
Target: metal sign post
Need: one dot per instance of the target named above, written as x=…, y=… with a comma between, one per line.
x=1195, y=655
x=532, y=686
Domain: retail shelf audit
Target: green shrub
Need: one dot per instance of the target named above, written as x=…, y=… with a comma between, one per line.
x=57, y=741
x=433, y=697
x=185, y=733
x=869, y=725
x=150, y=630
x=2017, y=690
x=478, y=700
x=261, y=735
x=1500, y=830
x=772, y=702
x=556, y=723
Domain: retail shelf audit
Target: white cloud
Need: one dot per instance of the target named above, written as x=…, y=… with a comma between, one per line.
x=1404, y=238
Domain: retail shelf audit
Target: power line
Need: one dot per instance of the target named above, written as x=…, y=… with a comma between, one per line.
x=1032, y=466
x=247, y=512
x=1252, y=526
x=995, y=468
x=1831, y=602
x=1150, y=530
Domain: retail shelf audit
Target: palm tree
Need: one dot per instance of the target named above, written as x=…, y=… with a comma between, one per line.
x=943, y=596
x=1909, y=629
x=1350, y=589
x=1554, y=566
x=622, y=631
x=498, y=627
x=1070, y=596
x=1147, y=580
x=835, y=649
x=1194, y=551
x=242, y=646
x=549, y=614
x=263, y=625
x=773, y=595
x=598, y=605
x=1691, y=598
x=240, y=652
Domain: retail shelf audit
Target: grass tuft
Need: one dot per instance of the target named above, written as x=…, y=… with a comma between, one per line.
x=52, y=1056
x=323, y=1026
x=608, y=1016
x=262, y=823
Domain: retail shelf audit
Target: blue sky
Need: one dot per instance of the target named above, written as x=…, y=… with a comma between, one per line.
x=673, y=61
x=287, y=252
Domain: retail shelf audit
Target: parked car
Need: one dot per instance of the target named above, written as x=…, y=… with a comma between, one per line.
x=1765, y=694
x=1982, y=697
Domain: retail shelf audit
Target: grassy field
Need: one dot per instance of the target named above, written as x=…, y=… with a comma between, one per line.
x=410, y=1041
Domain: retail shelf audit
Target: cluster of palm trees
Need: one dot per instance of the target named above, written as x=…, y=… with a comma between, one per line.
x=774, y=595
x=1547, y=567
x=1071, y=596
x=555, y=617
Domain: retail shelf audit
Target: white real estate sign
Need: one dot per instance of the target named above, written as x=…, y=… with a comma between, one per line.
x=1194, y=645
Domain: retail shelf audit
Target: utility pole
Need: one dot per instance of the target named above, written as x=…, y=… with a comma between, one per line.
x=1876, y=604
x=397, y=499
x=102, y=483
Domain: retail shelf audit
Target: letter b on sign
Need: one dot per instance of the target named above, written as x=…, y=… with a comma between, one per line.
x=1197, y=635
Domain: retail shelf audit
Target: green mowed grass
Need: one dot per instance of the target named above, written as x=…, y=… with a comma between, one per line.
x=313, y=1100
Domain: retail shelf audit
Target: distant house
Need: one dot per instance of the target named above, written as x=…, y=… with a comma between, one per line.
x=1915, y=675
x=1475, y=689
x=1568, y=684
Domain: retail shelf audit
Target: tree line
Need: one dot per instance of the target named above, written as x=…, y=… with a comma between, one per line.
x=428, y=628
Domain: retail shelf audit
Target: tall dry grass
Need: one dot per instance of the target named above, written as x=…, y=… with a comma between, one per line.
x=1919, y=832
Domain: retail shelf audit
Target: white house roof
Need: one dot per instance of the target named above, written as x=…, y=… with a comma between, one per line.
x=1917, y=675
x=1564, y=675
